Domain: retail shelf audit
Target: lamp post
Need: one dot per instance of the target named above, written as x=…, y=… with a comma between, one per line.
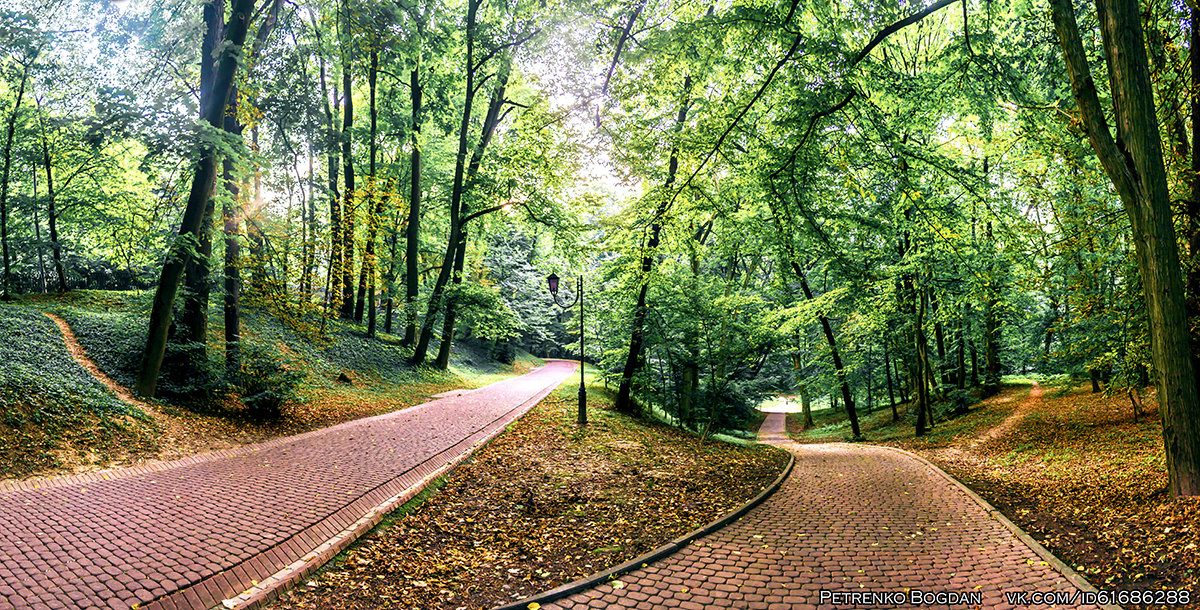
x=552, y=281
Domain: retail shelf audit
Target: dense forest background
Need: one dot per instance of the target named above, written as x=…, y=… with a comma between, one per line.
x=862, y=203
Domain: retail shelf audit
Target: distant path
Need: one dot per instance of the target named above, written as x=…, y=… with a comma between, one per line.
x=80, y=356
x=170, y=429
x=197, y=531
x=1019, y=413
x=849, y=518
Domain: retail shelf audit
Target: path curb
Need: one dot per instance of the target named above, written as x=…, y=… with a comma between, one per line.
x=663, y=551
x=260, y=594
x=1070, y=574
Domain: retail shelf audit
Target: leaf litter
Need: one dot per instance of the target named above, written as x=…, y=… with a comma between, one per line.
x=543, y=504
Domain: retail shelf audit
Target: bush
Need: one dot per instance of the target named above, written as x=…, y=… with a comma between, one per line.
x=268, y=379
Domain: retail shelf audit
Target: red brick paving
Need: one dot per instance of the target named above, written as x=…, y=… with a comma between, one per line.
x=188, y=534
x=848, y=518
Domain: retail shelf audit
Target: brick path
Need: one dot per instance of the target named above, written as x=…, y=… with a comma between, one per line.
x=848, y=518
x=191, y=533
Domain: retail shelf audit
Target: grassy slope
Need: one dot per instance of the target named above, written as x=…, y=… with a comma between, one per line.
x=110, y=326
x=1075, y=471
x=54, y=413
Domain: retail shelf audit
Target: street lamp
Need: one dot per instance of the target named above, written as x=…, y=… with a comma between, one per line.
x=552, y=281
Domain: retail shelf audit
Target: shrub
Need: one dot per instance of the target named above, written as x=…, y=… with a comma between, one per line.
x=268, y=379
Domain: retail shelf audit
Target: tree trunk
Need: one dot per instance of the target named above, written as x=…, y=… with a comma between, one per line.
x=490, y=121
x=37, y=229
x=633, y=360
x=442, y=361
x=805, y=406
x=919, y=376
x=8, y=142
x=939, y=337
x=456, y=192
x=991, y=331
x=887, y=369
x=333, y=285
x=51, y=214
x=412, y=236
x=369, y=263
x=348, y=206
x=201, y=190
x=394, y=238
x=233, y=271
x=960, y=375
x=839, y=369
x=231, y=217
x=1134, y=163
x=193, y=329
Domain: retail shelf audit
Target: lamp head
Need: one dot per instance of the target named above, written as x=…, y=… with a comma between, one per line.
x=552, y=280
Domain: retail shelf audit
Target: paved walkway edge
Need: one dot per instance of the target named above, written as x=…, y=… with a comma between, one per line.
x=1071, y=575
x=654, y=555
x=259, y=581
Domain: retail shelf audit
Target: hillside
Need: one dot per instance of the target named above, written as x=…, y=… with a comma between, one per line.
x=58, y=418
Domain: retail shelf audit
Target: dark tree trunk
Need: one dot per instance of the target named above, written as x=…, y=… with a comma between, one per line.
x=193, y=329
x=233, y=270
x=391, y=275
x=939, y=336
x=347, y=312
x=1133, y=161
x=412, y=237
x=960, y=375
x=887, y=369
x=490, y=121
x=439, y=286
x=52, y=215
x=369, y=263
x=839, y=369
x=634, y=360
x=8, y=142
x=333, y=285
x=201, y=190
x=919, y=375
x=991, y=331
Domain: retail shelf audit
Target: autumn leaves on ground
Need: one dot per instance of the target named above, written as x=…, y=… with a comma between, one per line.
x=1070, y=467
x=544, y=504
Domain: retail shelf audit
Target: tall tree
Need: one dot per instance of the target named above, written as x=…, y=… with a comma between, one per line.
x=633, y=360
x=1133, y=162
x=183, y=247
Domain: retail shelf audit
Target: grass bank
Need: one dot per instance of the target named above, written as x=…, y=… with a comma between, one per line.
x=58, y=418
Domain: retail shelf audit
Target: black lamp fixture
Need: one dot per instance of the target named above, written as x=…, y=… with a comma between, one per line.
x=552, y=283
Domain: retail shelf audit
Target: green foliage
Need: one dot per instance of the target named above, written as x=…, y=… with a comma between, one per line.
x=49, y=405
x=268, y=379
x=37, y=365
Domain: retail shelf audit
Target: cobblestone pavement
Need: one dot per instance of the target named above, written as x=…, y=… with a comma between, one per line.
x=849, y=518
x=190, y=533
